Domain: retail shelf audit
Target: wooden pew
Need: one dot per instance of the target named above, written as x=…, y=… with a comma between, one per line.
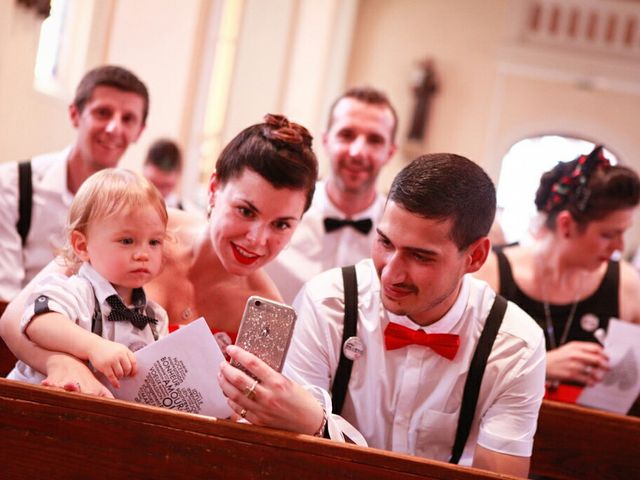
x=47, y=433
x=582, y=443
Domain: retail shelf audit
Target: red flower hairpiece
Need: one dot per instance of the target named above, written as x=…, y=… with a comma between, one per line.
x=574, y=186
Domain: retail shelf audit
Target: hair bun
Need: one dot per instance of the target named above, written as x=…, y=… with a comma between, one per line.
x=280, y=128
x=276, y=121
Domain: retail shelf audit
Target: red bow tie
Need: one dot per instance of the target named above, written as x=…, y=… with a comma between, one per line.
x=397, y=336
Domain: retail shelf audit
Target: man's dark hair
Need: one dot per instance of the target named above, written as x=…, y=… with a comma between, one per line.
x=370, y=95
x=110, y=76
x=278, y=150
x=443, y=186
x=165, y=155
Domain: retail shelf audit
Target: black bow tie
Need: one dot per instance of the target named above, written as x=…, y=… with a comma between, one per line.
x=120, y=313
x=363, y=226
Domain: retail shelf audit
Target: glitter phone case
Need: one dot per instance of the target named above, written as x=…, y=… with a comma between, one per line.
x=266, y=331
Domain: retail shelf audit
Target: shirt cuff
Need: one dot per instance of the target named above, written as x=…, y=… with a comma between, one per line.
x=510, y=446
x=337, y=426
x=29, y=313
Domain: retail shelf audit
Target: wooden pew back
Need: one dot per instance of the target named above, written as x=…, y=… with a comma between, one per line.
x=7, y=360
x=50, y=434
x=582, y=443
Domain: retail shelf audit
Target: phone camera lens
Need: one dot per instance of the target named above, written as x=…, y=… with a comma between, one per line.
x=257, y=303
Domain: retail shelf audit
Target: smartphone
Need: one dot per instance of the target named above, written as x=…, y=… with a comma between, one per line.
x=266, y=331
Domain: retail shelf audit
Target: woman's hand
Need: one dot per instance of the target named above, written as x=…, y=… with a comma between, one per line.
x=67, y=372
x=274, y=401
x=582, y=362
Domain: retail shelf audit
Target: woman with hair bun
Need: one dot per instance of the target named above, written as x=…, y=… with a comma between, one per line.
x=263, y=182
x=565, y=277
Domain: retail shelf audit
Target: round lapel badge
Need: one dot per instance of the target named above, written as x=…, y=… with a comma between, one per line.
x=353, y=348
x=589, y=322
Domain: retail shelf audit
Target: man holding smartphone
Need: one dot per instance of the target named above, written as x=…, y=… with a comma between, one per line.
x=424, y=329
x=338, y=229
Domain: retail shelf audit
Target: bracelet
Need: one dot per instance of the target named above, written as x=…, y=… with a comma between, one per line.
x=323, y=425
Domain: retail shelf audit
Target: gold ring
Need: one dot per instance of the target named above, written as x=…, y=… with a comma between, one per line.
x=587, y=370
x=250, y=392
x=78, y=386
x=243, y=412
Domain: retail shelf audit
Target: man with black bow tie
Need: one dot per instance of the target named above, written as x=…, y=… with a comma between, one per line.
x=338, y=228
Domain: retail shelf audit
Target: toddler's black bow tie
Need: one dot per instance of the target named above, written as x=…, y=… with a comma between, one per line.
x=120, y=313
x=363, y=226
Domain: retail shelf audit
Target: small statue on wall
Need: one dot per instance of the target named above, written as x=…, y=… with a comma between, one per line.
x=425, y=86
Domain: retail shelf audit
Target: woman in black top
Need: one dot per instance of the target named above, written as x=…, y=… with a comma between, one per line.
x=564, y=277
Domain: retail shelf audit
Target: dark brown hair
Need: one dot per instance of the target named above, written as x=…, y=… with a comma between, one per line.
x=443, y=186
x=278, y=150
x=164, y=154
x=110, y=76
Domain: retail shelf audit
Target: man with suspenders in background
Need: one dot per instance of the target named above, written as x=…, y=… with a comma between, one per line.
x=109, y=112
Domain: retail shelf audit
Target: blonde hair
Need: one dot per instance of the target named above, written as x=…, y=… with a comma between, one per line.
x=105, y=193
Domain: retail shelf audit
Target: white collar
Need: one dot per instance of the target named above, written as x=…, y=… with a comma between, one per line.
x=328, y=209
x=101, y=287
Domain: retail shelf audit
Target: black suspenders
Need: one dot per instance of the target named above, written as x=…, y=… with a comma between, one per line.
x=343, y=372
x=25, y=200
x=474, y=377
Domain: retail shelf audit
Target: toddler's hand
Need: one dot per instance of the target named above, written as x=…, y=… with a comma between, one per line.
x=114, y=360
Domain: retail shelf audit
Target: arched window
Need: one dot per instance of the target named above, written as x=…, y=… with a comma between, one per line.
x=50, y=44
x=520, y=173
x=72, y=40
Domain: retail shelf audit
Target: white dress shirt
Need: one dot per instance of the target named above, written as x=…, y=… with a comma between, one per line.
x=74, y=297
x=51, y=202
x=408, y=400
x=312, y=250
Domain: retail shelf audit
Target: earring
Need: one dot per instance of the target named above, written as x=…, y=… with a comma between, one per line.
x=209, y=208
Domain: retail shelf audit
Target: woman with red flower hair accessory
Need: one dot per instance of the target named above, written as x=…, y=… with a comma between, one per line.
x=565, y=277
